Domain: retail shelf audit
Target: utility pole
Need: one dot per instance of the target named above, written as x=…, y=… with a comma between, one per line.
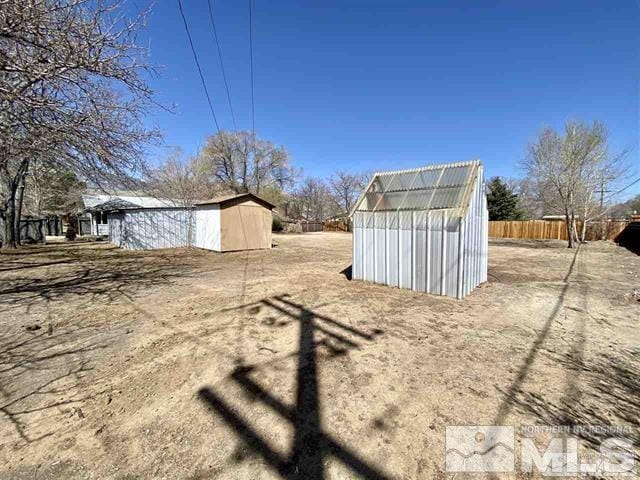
x=603, y=217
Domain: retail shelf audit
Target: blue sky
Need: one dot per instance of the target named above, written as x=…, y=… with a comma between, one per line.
x=374, y=85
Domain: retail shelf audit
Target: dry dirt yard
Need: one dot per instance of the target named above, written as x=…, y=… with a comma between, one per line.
x=272, y=364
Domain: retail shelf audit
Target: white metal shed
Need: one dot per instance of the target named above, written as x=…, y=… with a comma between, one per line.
x=424, y=229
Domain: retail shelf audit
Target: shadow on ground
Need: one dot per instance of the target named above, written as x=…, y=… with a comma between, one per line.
x=89, y=271
x=519, y=243
x=348, y=272
x=42, y=371
x=629, y=238
x=609, y=396
x=312, y=446
x=510, y=395
x=598, y=392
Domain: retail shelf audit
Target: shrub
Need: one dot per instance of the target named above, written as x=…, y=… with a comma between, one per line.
x=276, y=225
x=293, y=228
x=71, y=233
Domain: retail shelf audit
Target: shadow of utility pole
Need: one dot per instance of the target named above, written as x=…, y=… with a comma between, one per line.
x=311, y=445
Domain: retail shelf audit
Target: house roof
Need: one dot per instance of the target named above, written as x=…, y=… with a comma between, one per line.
x=236, y=198
x=93, y=198
x=114, y=204
x=433, y=187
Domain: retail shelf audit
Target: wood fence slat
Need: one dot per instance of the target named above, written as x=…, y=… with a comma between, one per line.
x=551, y=230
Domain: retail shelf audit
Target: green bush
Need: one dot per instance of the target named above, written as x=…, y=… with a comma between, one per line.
x=276, y=225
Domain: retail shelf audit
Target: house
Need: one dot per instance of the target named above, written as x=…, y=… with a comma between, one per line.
x=424, y=229
x=226, y=223
x=99, y=205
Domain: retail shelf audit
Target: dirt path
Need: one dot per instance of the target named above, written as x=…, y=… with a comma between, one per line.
x=190, y=364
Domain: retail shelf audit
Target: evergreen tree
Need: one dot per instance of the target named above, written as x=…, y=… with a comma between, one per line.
x=502, y=202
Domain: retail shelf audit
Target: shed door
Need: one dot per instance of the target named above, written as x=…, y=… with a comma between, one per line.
x=208, y=227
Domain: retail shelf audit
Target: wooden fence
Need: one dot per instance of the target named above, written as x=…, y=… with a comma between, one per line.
x=32, y=230
x=551, y=230
x=303, y=226
x=336, y=226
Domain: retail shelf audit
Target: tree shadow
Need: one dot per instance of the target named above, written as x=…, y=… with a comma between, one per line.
x=526, y=243
x=511, y=393
x=55, y=247
x=312, y=446
x=89, y=272
x=610, y=392
x=597, y=391
x=41, y=372
x=11, y=266
x=47, y=372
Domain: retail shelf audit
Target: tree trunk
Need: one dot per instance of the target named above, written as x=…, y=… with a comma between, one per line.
x=567, y=221
x=583, y=233
x=574, y=229
x=18, y=212
x=9, y=237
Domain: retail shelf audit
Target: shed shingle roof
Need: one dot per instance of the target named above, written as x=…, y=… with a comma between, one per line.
x=224, y=199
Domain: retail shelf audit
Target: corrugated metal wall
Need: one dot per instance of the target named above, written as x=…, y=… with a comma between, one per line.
x=428, y=251
x=476, y=242
x=153, y=228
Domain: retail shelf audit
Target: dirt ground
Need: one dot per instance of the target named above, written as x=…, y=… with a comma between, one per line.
x=272, y=364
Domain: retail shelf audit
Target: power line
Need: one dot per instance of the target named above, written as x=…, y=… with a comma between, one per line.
x=195, y=56
x=224, y=75
x=253, y=110
x=623, y=189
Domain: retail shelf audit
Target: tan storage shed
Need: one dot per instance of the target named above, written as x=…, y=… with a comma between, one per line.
x=233, y=222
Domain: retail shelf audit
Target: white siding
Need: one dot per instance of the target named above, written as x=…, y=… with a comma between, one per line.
x=393, y=244
x=208, y=227
x=115, y=223
x=369, y=246
x=380, y=222
x=358, y=233
x=144, y=229
x=434, y=251
x=476, y=241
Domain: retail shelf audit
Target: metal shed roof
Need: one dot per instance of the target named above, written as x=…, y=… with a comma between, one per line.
x=93, y=199
x=235, y=197
x=433, y=187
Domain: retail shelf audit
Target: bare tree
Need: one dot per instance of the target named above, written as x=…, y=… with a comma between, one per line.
x=569, y=168
x=72, y=94
x=184, y=181
x=313, y=199
x=181, y=181
x=627, y=208
x=529, y=196
x=345, y=189
x=243, y=163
